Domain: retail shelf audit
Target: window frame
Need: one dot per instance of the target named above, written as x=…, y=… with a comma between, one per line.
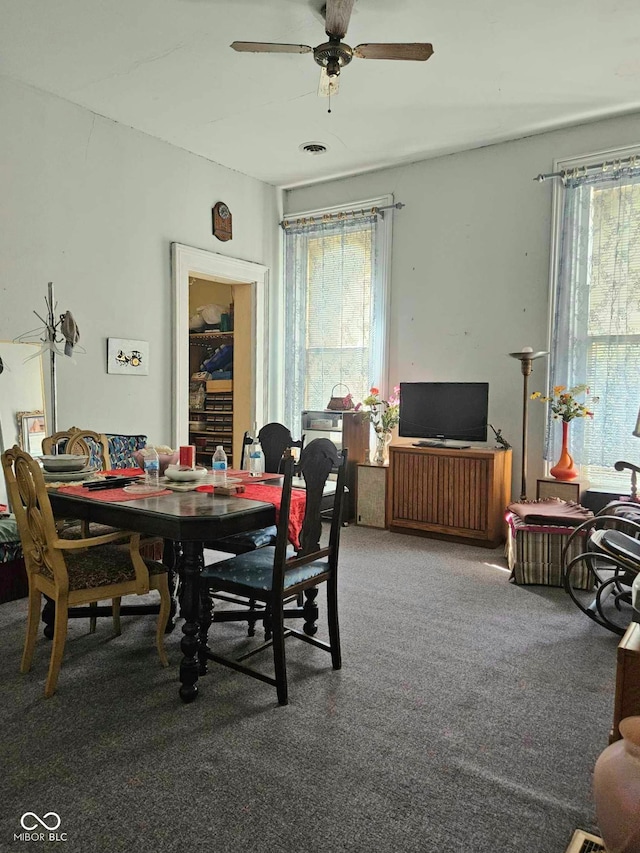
x=557, y=206
x=386, y=243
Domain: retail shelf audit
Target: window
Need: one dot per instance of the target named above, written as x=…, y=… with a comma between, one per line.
x=335, y=306
x=596, y=333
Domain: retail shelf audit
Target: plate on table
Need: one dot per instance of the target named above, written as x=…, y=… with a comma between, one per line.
x=69, y=476
x=66, y=462
x=183, y=474
x=142, y=489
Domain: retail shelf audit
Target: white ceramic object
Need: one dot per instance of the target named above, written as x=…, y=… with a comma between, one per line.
x=68, y=476
x=64, y=462
x=142, y=489
x=183, y=475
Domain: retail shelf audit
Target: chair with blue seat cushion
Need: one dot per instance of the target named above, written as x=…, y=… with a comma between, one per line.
x=73, y=571
x=275, y=576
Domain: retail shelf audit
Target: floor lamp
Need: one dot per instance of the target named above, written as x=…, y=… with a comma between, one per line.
x=526, y=357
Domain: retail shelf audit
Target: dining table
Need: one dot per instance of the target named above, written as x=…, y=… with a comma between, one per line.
x=189, y=518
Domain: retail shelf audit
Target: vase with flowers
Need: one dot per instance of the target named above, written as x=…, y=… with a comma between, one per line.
x=564, y=406
x=384, y=415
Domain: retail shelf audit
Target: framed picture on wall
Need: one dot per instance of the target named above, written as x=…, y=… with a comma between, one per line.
x=31, y=431
x=127, y=357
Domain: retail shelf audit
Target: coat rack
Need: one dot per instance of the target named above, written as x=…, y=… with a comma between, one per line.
x=53, y=332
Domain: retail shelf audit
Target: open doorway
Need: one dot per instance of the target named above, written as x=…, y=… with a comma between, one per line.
x=247, y=283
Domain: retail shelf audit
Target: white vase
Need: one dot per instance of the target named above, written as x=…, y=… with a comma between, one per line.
x=380, y=452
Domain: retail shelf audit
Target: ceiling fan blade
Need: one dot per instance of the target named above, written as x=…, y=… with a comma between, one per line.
x=268, y=47
x=337, y=17
x=328, y=86
x=415, y=50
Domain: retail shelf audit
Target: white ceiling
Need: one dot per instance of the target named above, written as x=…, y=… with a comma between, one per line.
x=501, y=69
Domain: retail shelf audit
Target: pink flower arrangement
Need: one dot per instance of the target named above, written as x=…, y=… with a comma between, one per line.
x=383, y=414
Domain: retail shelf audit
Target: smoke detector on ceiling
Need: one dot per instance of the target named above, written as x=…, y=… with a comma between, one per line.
x=313, y=148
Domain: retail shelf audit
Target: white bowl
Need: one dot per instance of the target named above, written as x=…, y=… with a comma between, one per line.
x=64, y=462
x=175, y=472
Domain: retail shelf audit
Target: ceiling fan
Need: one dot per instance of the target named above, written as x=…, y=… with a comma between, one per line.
x=334, y=54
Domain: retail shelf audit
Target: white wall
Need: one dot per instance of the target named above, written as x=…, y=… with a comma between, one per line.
x=93, y=206
x=470, y=265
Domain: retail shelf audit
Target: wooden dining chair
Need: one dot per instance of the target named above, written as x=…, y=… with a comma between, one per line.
x=274, y=576
x=95, y=446
x=74, y=571
x=82, y=441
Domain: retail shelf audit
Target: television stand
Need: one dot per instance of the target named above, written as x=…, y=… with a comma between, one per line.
x=449, y=493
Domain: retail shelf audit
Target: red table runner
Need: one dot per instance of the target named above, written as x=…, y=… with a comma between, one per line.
x=109, y=494
x=273, y=495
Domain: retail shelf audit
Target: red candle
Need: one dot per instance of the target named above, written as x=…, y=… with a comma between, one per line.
x=188, y=456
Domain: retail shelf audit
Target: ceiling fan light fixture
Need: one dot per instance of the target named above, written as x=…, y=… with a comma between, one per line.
x=333, y=54
x=313, y=148
x=333, y=67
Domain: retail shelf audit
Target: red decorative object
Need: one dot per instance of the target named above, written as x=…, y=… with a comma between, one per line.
x=616, y=790
x=564, y=469
x=188, y=455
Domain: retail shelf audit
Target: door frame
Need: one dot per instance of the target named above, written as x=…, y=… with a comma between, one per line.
x=189, y=261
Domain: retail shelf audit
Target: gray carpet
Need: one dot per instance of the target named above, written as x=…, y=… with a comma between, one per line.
x=467, y=717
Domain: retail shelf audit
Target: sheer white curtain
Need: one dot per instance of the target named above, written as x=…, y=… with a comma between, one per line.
x=596, y=327
x=334, y=310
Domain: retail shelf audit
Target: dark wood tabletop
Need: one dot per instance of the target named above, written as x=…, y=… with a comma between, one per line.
x=182, y=516
x=190, y=518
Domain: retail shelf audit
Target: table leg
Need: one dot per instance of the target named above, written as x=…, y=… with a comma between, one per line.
x=170, y=556
x=192, y=565
x=206, y=606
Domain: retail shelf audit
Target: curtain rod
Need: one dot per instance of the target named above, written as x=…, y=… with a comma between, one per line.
x=343, y=214
x=583, y=171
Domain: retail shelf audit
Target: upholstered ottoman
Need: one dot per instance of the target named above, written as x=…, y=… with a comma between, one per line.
x=534, y=554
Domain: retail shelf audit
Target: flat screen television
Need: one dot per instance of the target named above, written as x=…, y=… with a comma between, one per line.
x=444, y=410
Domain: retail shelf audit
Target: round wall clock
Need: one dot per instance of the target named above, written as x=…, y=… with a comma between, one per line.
x=222, y=221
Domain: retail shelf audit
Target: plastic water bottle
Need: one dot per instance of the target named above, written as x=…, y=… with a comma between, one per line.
x=151, y=467
x=256, y=459
x=219, y=466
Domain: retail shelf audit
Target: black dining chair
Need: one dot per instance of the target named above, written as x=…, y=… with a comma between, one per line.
x=274, y=438
x=274, y=577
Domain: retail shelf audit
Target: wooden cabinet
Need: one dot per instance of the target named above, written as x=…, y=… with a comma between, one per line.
x=344, y=429
x=627, y=698
x=449, y=493
x=371, y=495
